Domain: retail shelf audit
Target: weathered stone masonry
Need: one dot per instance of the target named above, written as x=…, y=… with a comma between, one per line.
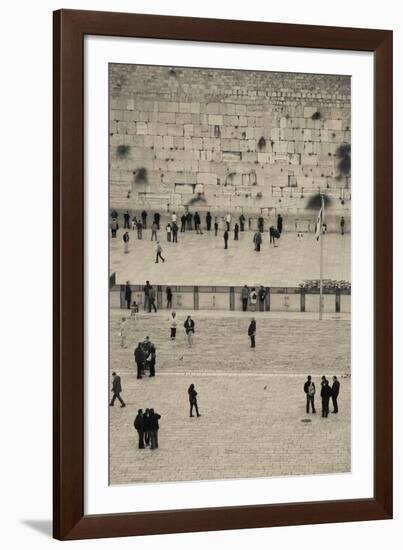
x=226, y=140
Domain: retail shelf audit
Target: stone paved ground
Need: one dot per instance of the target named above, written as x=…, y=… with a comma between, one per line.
x=202, y=260
x=252, y=404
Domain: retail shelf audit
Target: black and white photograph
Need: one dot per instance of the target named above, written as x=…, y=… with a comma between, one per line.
x=229, y=263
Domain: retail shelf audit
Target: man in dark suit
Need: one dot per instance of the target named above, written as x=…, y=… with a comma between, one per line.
x=252, y=333
x=139, y=427
x=335, y=394
x=225, y=236
x=208, y=221
x=139, y=358
x=325, y=394
x=128, y=294
x=154, y=427
x=116, y=390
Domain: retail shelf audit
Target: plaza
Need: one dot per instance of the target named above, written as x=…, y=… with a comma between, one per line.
x=252, y=401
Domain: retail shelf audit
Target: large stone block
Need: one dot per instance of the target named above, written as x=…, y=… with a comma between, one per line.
x=216, y=120
x=333, y=124
x=206, y=178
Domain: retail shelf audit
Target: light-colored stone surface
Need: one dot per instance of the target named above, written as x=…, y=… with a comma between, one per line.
x=252, y=401
x=288, y=265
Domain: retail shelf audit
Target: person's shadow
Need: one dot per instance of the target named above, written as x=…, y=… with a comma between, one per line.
x=43, y=526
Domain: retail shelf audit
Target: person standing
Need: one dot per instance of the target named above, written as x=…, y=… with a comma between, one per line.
x=126, y=217
x=310, y=390
x=183, y=223
x=335, y=394
x=122, y=333
x=271, y=235
x=139, y=226
x=169, y=232
x=174, y=233
x=225, y=236
x=325, y=394
x=169, y=297
x=172, y=320
x=253, y=299
x=151, y=360
x=134, y=223
x=174, y=217
x=146, y=290
x=157, y=218
x=116, y=391
x=262, y=298
x=215, y=227
x=342, y=224
x=252, y=333
x=114, y=227
x=245, y=297
x=139, y=427
x=154, y=428
x=189, y=325
x=114, y=214
x=128, y=295
x=151, y=300
x=144, y=219
x=139, y=358
x=242, y=220
x=126, y=239
x=197, y=221
x=208, y=221
x=260, y=224
x=189, y=220
x=257, y=239
x=279, y=224
x=154, y=229
x=193, y=400
x=158, y=250
x=146, y=426
x=236, y=232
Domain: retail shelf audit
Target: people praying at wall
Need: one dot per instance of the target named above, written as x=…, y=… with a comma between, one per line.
x=208, y=221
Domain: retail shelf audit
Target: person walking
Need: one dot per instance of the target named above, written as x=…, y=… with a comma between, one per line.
x=342, y=224
x=169, y=232
x=139, y=227
x=253, y=299
x=158, y=250
x=139, y=427
x=128, y=295
x=154, y=233
x=197, y=221
x=154, y=428
x=144, y=219
x=325, y=394
x=172, y=321
x=252, y=333
x=126, y=217
x=169, y=297
x=146, y=426
x=236, y=232
x=208, y=221
x=151, y=360
x=335, y=394
x=122, y=333
x=139, y=358
x=262, y=298
x=174, y=233
x=189, y=325
x=146, y=290
x=279, y=224
x=183, y=223
x=126, y=239
x=114, y=227
x=193, y=400
x=151, y=300
x=116, y=391
x=225, y=236
x=242, y=221
x=228, y=220
x=245, y=297
x=310, y=390
x=157, y=218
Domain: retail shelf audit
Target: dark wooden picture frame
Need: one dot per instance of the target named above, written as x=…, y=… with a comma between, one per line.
x=70, y=28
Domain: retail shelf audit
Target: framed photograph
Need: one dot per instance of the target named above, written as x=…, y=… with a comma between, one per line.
x=222, y=274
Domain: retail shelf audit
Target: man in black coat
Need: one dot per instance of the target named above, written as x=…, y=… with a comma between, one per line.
x=279, y=224
x=183, y=223
x=116, y=390
x=154, y=427
x=126, y=217
x=157, y=218
x=262, y=298
x=242, y=221
x=139, y=358
x=128, y=295
x=144, y=218
x=151, y=359
x=208, y=221
x=335, y=394
x=325, y=394
x=310, y=390
x=225, y=236
x=252, y=333
x=139, y=427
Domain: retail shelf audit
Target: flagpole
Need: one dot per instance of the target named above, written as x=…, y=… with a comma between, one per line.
x=321, y=237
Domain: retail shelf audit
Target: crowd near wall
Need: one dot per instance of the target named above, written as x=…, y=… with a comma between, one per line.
x=231, y=140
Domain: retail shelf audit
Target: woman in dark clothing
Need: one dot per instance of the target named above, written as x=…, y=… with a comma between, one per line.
x=193, y=400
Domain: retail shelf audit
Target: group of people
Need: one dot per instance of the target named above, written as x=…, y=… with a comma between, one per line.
x=255, y=298
x=326, y=392
x=145, y=358
x=147, y=426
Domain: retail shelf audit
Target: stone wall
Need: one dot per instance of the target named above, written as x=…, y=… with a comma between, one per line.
x=226, y=140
